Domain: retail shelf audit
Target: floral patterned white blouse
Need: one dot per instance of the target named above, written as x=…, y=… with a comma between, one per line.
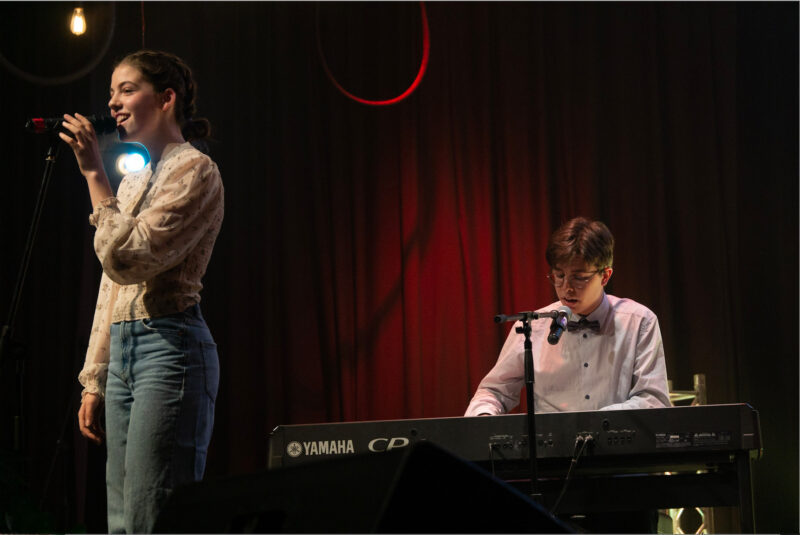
x=154, y=241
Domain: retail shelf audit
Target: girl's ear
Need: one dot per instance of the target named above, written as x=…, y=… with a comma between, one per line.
x=168, y=99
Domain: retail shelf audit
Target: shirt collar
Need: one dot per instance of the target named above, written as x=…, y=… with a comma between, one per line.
x=598, y=314
x=169, y=151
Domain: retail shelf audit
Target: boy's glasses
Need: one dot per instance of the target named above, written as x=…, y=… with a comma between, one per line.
x=578, y=282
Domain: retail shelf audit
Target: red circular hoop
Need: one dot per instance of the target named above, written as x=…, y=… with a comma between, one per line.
x=426, y=45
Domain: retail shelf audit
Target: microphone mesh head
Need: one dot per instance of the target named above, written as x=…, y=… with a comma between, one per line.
x=103, y=124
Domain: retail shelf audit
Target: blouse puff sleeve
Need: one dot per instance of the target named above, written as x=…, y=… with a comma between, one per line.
x=134, y=249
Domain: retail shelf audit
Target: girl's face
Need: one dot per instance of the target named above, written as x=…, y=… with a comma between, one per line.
x=139, y=110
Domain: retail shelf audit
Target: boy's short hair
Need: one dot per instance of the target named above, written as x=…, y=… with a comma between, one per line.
x=581, y=238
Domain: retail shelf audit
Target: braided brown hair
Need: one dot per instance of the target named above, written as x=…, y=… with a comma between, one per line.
x=168, y=71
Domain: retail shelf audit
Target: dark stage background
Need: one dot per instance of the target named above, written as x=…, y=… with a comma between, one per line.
x=365, y=249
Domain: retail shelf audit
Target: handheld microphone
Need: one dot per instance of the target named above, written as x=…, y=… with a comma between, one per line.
x=559, y=325
x=102, y=124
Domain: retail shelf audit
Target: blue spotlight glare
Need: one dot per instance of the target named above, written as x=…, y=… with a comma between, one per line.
x=122, y=158
x=130, y=162
x=130, y=157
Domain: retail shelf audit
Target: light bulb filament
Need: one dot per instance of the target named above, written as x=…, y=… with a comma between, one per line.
x=78, y=23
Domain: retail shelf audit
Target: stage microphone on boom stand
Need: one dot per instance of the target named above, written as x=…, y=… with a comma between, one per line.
x=559, y=325
x=102, y=124
x=560, y=317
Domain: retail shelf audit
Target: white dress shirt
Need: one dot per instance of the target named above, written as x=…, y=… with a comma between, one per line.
x=621, y=366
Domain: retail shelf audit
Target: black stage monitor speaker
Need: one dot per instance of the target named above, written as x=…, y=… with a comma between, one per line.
x=420, y=489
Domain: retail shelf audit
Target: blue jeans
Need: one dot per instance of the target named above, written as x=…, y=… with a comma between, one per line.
x=162, y=385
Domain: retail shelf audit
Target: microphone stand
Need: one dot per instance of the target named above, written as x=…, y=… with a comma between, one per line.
x=7, y=345
x=525, y=318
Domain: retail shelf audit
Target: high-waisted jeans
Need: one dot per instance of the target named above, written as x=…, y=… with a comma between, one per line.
x=162, y=385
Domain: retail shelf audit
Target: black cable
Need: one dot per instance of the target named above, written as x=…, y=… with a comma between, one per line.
x=580, y=445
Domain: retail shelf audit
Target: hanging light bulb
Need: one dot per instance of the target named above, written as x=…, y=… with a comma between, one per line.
x=78, y=23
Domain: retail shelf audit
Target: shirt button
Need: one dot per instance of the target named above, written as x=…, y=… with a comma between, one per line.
x=585, y=364
x=587, y=396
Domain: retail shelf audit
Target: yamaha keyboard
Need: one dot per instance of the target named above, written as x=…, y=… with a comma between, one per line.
x=631, y=436
x=706, y=450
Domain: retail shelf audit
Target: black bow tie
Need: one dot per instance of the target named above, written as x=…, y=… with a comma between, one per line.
x=583, y=324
